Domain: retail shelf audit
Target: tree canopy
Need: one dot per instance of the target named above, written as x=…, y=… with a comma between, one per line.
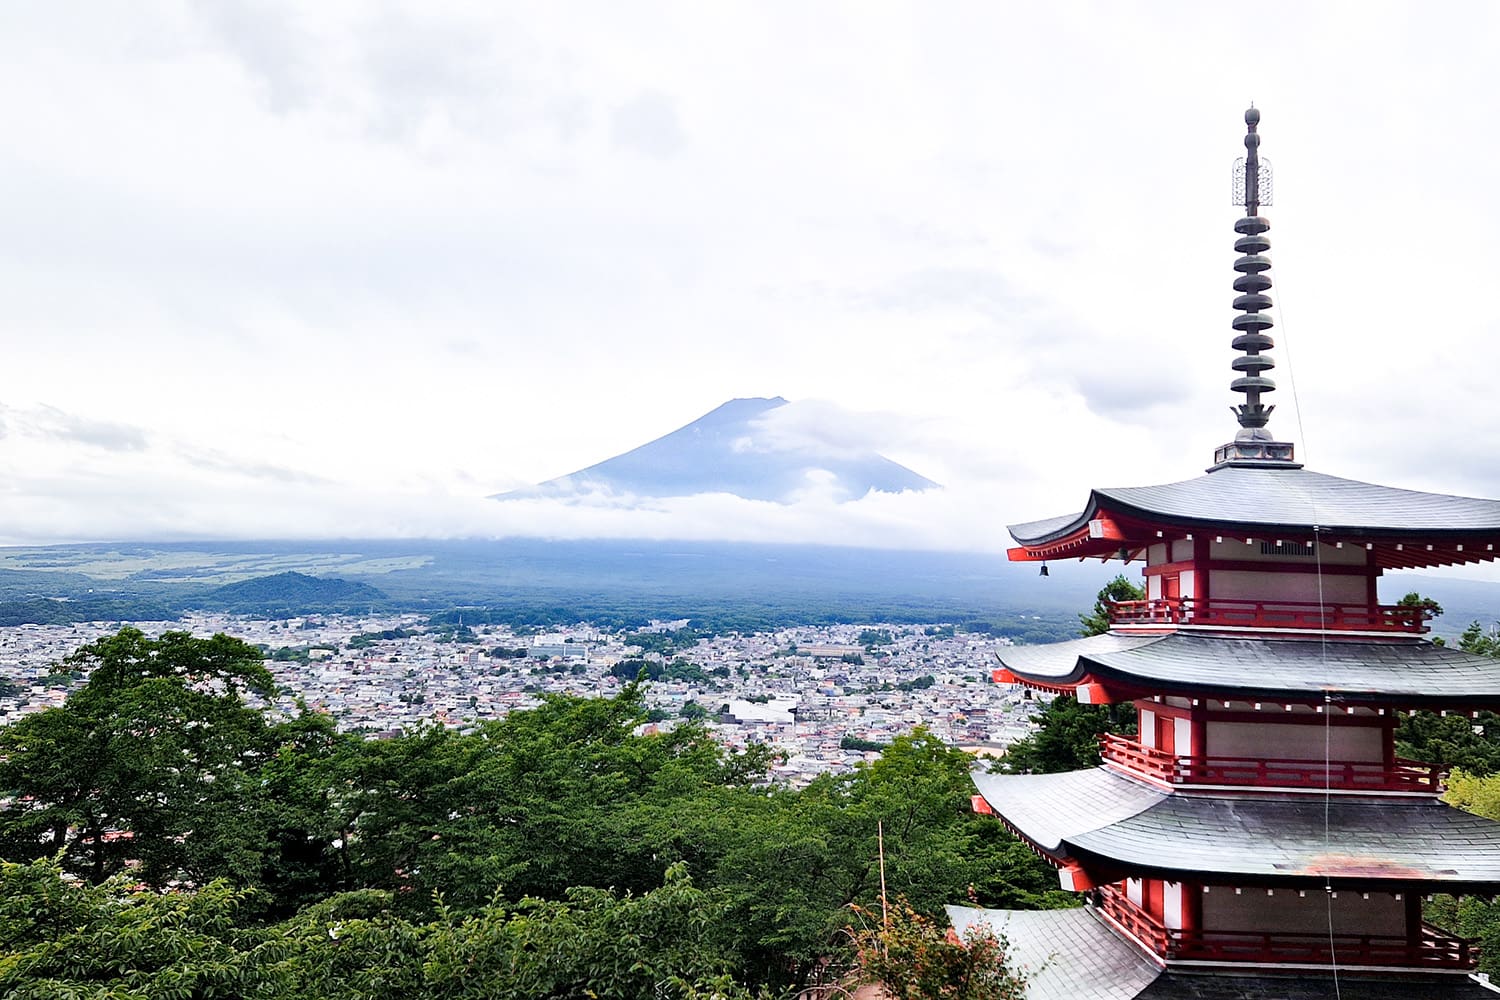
x=162, y=837
x=1096, y=621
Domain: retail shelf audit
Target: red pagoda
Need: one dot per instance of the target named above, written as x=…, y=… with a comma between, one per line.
x=1259, y=837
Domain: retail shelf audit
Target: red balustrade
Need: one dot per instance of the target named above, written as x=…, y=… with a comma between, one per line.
x=1345, y=775
x=1270, y=614
x=1139, y=758
x=1135, y=921
x=1434, y=949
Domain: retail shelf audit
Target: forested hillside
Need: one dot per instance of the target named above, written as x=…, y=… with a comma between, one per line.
x=162, y=838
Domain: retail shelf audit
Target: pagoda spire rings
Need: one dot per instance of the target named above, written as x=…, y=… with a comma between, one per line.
x=1252, y=189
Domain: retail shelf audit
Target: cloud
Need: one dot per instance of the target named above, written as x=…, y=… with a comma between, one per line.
x=250, y=247
x=648, y=123
x=54, y=510
x=270, y=44
x=218, y=462
x=822, y=427
x=984, y=290
x=51, y=423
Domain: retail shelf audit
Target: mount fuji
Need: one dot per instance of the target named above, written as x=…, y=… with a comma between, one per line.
x=744, y=448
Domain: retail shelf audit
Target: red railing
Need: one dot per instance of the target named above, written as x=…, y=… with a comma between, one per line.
x=1146, y=761
x=1434, y=949
x=1344, y=775
x=1270, y=614
x=1135, y=921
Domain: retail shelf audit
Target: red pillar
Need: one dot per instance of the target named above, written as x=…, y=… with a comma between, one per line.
x=1201, y=555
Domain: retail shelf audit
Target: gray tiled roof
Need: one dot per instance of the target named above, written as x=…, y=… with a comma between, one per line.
x=1101, y=813
x=1310, y=986
x=1053, y=808
x=1411, y=840
x=1068, y=954
x=1412, y=670
x=1071, y=955
x=1283, y=498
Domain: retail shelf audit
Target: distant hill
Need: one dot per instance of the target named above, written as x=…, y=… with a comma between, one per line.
x=725, y=585
x=731, y=450
x=294, y=593
x=542, y=582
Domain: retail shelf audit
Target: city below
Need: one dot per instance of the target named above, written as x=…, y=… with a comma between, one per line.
x=825, y=696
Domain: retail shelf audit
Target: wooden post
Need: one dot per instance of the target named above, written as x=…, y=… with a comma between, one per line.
x=885, y=913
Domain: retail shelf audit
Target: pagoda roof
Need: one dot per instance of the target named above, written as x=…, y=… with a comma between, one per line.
x=1239, y=499
x=1052, y=809
x=1072, y=955
x=1099, y=817
x=1066, y=954
x=1410, y=671
x=1308, y=986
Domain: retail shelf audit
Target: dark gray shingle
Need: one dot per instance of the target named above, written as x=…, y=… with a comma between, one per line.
x=1282, y=499
x=1411, y=671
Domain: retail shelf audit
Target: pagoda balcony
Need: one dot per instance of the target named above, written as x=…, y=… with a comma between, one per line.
x=1433, y=949
x=1314, y=775
x=1188, y=611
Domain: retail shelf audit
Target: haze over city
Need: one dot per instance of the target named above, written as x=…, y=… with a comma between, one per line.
x=275, y=270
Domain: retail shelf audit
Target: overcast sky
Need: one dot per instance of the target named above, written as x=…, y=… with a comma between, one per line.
x=344, y=269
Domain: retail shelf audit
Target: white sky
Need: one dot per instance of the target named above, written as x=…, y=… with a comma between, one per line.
x=344, y=269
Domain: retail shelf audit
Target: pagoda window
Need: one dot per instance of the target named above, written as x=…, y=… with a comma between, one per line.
x=1273, y=745
x=1306, y=587
x=1289, y=570
x=1293, y=911
x=1295, y=741
x=1172, y=905
x=1285, y=550
x=1146, y=726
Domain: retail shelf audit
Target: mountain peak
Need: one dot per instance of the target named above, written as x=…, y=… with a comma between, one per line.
x=736, y=448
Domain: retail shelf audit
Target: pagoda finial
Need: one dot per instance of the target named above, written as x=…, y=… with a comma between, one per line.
x=1252, y=188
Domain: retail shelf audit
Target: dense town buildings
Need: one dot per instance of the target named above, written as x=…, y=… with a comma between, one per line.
x=802, y=690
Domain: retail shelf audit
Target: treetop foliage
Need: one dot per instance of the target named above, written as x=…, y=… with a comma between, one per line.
x=1470, y=744
x=161, y=837
x=1096, y=622
x=914, y=958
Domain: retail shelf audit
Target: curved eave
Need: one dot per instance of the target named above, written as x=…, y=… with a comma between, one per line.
x=1404, y=529
x=1113, y=826
x=1049, y=810
x=1068, y=954
x=1059, y=537
x=1103, y=868
x=1391, y=548
x=1280, y=842
x=1118, y=667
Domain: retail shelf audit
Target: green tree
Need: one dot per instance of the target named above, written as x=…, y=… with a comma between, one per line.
x=59, y=938
x=372, y=853
x=1067, y=737
x=1471, y=916
x=914, y=958
x=1469, y=743
x=148, y=762
x=793, y=861
x=1430, y=608
x=306, y=800
x=1480, y=641
x=1096, y=622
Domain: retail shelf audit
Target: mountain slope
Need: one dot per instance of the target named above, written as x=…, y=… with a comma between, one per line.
x=733, y=450
x=294, y=591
